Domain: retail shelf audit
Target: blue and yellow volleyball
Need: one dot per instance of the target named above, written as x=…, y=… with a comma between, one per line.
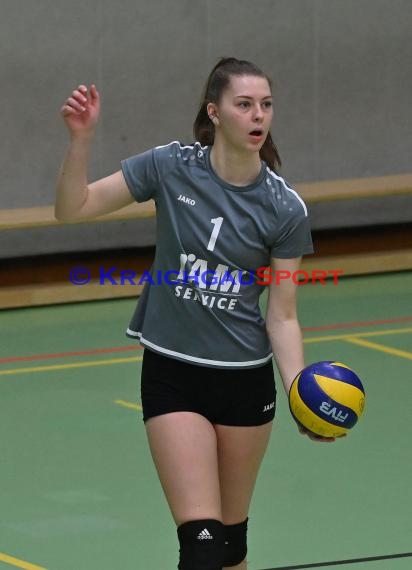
x=327, y=398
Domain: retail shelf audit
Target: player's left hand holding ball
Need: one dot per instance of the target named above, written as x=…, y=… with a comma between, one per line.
x=314, y=436
x=326, y=400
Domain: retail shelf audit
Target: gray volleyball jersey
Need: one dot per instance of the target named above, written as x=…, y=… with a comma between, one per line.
x=200, y=302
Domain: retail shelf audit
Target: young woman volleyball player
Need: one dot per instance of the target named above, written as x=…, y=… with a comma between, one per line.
x=208, y=390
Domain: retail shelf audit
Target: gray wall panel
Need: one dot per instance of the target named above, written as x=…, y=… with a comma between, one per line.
x=365, y=126
x=46, y=46
x=72, y=238
x=341, y=72
x=361, y=213
x=152, y=75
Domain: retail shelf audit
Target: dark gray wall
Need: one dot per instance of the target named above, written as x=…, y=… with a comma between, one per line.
x=341, y=72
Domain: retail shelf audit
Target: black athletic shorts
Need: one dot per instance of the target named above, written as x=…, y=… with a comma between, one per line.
x=234, y=397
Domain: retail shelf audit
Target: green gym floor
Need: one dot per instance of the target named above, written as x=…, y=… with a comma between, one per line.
x=78, y=490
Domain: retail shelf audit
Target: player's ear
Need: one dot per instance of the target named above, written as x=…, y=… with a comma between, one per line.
x=212, y=113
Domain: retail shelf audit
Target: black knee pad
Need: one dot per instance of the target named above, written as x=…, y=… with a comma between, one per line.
x=202, y=545
x=235, y=543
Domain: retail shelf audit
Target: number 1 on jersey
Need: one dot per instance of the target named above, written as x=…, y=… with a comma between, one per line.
x=217, y=222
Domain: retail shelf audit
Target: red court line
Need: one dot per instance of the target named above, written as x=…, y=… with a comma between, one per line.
x=68, y=354
x=358, y=324
x=139, y=347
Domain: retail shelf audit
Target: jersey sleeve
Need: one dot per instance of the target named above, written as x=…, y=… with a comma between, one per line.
x=141, y=175
x=294, y=240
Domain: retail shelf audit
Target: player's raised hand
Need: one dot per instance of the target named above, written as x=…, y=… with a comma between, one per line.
x=81, y=110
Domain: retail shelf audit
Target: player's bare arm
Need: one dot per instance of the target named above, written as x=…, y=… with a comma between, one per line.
x=283, y=327
x=282, y=321
x=75, y=197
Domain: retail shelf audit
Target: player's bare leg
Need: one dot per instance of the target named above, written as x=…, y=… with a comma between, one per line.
x=240, y=452
x=184, y=450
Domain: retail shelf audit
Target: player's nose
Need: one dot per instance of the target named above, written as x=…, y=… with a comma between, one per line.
x=257, y=113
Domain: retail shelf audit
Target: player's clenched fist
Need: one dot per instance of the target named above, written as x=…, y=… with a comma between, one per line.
x=81, y=110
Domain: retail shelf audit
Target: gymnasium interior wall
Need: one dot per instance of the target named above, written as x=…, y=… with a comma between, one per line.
x=342, y=89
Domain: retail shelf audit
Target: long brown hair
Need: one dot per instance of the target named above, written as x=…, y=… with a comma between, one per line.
x=217, y=82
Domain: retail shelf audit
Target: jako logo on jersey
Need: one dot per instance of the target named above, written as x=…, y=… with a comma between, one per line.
x=336, y=414
x=269, y=407
x=186, y=200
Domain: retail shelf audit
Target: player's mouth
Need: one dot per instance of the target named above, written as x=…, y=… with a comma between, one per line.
x=256, y=135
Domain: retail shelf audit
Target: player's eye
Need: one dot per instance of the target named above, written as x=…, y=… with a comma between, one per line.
x=244, y=104
x=267, y=104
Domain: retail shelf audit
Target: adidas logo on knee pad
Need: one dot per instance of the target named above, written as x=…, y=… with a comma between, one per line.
x=201, y=544
x=204, y=535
